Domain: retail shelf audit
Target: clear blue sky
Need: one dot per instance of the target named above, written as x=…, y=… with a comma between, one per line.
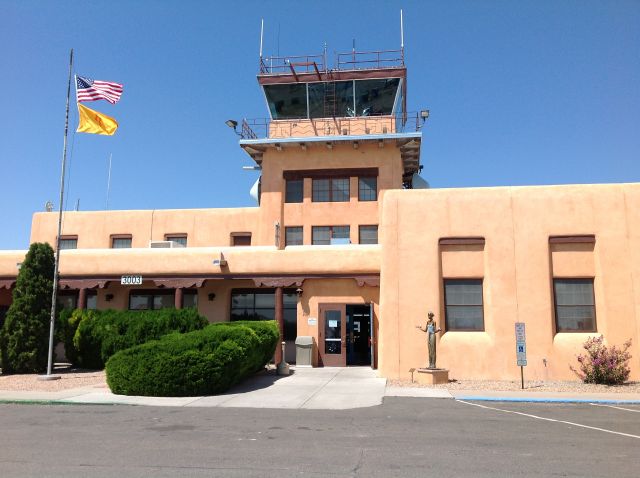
x=526, y=92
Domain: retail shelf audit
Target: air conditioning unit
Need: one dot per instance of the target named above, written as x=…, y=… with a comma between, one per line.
x=164, y=244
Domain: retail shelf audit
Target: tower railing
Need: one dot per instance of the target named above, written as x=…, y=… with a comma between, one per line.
x=353, y=60
x=256, y=128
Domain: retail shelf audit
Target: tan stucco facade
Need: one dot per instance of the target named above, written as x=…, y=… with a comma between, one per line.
x=517, y=264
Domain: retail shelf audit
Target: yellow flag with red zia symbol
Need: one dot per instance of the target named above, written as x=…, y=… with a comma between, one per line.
x=91, y=121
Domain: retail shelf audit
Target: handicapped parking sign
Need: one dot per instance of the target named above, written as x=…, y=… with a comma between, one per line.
x=521, y=346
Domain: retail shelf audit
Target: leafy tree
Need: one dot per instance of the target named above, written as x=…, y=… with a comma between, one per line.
x=24, y=339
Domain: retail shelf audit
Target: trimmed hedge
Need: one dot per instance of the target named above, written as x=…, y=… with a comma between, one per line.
x=205, y=362
x=92, y=336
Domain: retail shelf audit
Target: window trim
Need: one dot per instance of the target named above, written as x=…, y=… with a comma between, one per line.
x=555, y=306
x=444, y=291
x=330, y=173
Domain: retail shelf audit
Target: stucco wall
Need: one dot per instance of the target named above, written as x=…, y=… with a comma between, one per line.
x=517, y=265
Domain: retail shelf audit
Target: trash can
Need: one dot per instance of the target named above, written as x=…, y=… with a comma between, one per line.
x=304, y=349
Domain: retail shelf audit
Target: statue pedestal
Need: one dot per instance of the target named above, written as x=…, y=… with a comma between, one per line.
x=431, y=376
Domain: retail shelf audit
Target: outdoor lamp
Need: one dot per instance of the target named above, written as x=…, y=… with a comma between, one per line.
x=211, y=296
x=424, y=114
x=299, y=291
x=231, y=123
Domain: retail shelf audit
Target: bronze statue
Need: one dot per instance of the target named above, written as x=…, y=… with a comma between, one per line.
x=431, y=329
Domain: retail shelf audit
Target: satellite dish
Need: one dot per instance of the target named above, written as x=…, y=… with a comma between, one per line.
x=254, y=192
x=418, y=182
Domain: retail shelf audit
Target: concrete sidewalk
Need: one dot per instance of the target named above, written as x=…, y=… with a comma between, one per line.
x=312, y=388
x=307, y=388
x=513, y=396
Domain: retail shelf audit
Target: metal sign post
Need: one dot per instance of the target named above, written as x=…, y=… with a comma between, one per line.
x=521, y=349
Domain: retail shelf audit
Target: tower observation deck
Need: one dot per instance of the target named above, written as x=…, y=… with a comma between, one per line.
x=361, y=97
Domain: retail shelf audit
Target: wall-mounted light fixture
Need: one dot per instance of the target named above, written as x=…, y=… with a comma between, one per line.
x=211, y=297
x=108, y=297
x=299, y=291
x=424, y=114
x=233, y=124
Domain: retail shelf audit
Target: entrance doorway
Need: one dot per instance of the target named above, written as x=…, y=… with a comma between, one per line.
x=344, y=335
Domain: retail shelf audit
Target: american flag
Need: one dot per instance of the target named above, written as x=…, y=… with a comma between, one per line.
x=93, y=90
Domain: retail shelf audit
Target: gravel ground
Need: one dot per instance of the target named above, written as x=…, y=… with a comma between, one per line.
x=70, y=378
x=530, y=386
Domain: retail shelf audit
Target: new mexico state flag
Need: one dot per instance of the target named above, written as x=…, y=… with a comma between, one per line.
x=94, y=122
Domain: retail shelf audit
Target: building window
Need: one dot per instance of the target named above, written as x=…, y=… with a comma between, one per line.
x=240, y=239
x=67, y=299
x=293, y=236
x=152, y=299
x=463, y=304
x=368, y=189
x=190, y=298
x=574, y=305
x=368, y=234
x=293, y=190
x=326, y=235
x=68, y=242
x=260, y=304
x=121, y=242
x=179, y=238
x=330, y=190
x=92, y=299
x=3, y=314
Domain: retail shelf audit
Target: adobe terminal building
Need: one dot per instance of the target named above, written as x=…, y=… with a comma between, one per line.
x=349, y=247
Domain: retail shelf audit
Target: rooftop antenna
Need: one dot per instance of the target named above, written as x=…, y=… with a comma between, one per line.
x=261, y=35
x=77, y=205
x=278, y=39
x=401, y=31
x=108, y=182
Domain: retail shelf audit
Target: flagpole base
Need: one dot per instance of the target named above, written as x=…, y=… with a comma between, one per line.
x=46, y=378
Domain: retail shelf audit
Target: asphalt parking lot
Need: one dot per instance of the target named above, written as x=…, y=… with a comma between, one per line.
x=401, y=437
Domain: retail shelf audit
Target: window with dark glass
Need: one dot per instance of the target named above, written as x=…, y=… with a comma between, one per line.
x=68, y=242
x=326, y=235
x=152, y=299
x=92, y=299
x=260, y=304
x=189, y=298
x=179, y=238
x=294, y=190
x=376, y=97
x=330, y=190
x=240, y=239
x=67, y=299
x=368, y=234
x=293, y=236
x=368, y=189
x=121, y=242
x=287, y=101
x=574, y=305
x=463, y=304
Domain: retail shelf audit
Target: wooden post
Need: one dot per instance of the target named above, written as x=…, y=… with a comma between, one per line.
x=178, y=301
x=82, y=299
x=280, y=321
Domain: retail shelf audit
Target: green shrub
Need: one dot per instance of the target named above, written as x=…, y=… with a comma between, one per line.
x=24, y=339
x=93, y=336
x=205, y=362
x=602, y=364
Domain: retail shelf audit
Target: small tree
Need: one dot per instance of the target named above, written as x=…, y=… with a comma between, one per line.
x=24, y=339
x=602, y=364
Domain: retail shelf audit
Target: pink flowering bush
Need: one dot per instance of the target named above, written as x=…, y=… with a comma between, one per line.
x=602, y=364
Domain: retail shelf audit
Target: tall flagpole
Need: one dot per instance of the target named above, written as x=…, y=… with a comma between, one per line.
x=54, y=294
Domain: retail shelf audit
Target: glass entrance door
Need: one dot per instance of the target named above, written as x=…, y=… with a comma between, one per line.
x=332, y=335
x=358, y=334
